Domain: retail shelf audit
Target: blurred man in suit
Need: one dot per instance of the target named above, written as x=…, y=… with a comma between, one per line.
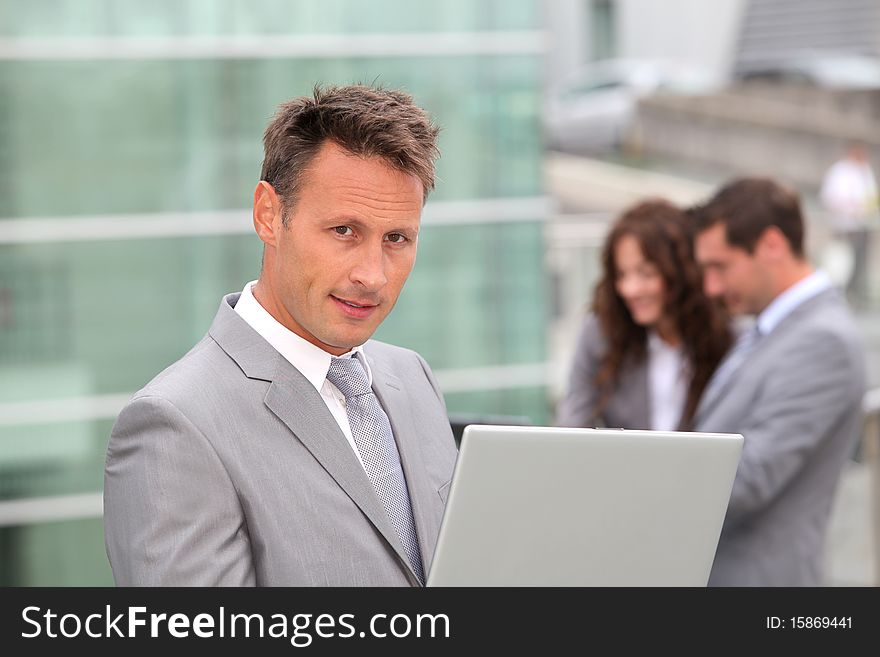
x=286, y=448
x=792, y=385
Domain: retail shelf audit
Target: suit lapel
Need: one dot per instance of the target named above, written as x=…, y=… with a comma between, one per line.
x=398, y=406
x=296, y=403
x=765, y=343
x=630, y=404
x=300, y=407
x=708, y=402
x=712, y=393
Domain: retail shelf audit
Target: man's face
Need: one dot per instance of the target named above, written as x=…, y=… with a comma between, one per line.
x=731, y=273
x=335, y=272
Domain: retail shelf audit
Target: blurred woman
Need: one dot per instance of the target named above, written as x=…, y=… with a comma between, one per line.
x=653, y=339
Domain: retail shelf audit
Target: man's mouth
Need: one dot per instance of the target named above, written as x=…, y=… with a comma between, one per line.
x=355, y=304
x=356, y=308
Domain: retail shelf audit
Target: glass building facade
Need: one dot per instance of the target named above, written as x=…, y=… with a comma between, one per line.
x=130, y=144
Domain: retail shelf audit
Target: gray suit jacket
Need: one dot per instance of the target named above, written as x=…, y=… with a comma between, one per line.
x=629, y=406
x=797, y=401
x=228, y=469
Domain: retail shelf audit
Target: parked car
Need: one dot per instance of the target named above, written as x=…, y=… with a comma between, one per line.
x=830, y=70
x=593, y=109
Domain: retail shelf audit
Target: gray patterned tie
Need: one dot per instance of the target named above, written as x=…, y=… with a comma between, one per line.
x=375, y=442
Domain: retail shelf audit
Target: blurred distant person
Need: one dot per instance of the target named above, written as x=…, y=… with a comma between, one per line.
x=849, y=194
x=287, y=448
x=653, y=339
x=792, y=385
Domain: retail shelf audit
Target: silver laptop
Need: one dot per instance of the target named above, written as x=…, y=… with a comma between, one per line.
x=542, y=506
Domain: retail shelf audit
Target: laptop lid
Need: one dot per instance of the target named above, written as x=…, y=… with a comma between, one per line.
x=546, y=506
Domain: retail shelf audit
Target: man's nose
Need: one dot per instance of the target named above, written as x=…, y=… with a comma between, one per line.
x=712, y=284
x=369, y=267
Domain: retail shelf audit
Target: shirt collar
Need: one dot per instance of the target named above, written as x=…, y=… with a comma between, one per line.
x=312, y=361
x=784, y=304
x=658, y=344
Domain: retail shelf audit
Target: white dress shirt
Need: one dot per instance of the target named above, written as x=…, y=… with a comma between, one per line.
x=312, y=361
x=668, y=377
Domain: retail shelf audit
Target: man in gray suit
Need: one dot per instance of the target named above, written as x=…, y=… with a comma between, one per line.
x=792, y=385
x=286, y=448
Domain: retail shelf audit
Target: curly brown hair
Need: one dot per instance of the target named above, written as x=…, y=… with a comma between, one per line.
x=665, y=235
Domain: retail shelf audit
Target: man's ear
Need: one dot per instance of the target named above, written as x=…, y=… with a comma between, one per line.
x=772, y=244
x=268, y=212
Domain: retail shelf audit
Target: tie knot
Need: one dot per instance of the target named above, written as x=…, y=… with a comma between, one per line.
x=349, y=376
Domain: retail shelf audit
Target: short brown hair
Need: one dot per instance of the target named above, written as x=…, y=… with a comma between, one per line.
x=365, y=121
x=747, y=207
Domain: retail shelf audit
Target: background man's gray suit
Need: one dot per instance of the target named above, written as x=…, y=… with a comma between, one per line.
x=797, y=401
x=229, y=469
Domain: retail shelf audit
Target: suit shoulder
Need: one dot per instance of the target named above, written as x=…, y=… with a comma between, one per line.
x=830, y=322
x=389, y=352
x=591, y=337
x=822, y=341
x=404, y=363
x=205, y=363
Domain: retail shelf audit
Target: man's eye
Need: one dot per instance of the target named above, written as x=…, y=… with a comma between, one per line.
x=343, y=230
x=396, y=238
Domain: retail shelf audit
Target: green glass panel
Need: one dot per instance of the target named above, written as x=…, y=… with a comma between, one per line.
x=282, y=17
x=85, y=138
